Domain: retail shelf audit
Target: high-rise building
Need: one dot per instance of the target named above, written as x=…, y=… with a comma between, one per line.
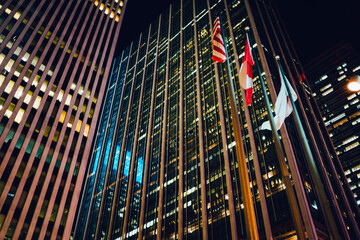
x=329, y=75
x=166, y=163
x=54, y=64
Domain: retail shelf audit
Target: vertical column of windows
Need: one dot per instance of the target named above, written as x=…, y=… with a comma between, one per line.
x=142, y=136
x=191, y=159
x=172, y=139
x=122, y=144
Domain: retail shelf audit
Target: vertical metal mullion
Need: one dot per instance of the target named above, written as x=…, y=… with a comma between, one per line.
x=114, y=207
x=148, y=143
x=163, y=136
x=200, y=136
x=135, y=145
x=181, y=134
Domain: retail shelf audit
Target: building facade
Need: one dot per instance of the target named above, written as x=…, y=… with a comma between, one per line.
x=164, y=163
x=54, y=61
x=328, y=77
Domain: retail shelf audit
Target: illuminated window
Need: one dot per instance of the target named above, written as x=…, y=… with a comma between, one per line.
x=68, y=100
x=28, y=97
x=9, y=87
x=62, y=117
x=78, y=126
x=73, y=86
x=2, y=78
x=36, y=81
x=19, y=115
x=2, y=56
x=327, y=92
x=8, y=11
x=60, y=95
x=351, y=96
x=18, y=92
x=35, y=60
x=341, y=77
x=37, y=102
x=10, y=109
x=9, y=65
x=324, y=88
x=355, y=69
x=43, y=87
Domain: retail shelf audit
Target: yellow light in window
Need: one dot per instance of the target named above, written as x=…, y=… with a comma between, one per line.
x=96, y=3
x=19, y=92
x=44, y=86
x=87, y=93
x=60, y=95
x=9, y=87
x=119, y=10
x=121, y=3
x=34, y=61
x=9, y=65
x=8, y=11
x=19, y=115
x=78, y=126
x=112, y=14
x=17, y=15
x=62, y=117
x=68, y=100
x=2, y=56
x=86, y=131
x=35, y=82
x=117, y=18
x=8, y=113
x=2, y=78
x=102, y=7
x=107, y=10
x=37, y=102
x=28, y=98
x=73, y=86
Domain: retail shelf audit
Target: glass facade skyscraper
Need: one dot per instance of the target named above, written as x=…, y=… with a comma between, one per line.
x=329, y=75
x=54, y=64
x=164, y=164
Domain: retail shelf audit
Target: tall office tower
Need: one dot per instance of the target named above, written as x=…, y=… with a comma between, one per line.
x=168, y=161
x=54, y=64
x=329, y=75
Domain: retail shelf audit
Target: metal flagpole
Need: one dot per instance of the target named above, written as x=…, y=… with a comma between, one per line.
x=295, y=213
x=251, y=226
x=313, y=169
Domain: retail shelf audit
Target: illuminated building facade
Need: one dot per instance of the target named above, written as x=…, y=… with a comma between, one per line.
x=329, y=75
x=164, y=162
x=54, y=58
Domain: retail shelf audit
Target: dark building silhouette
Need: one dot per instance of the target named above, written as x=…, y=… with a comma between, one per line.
x=165, y=162
x=55, y=59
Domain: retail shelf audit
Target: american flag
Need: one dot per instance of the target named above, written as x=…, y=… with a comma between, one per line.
x=219, y=54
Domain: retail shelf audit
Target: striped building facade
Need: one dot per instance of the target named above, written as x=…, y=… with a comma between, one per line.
x=164, y=163
x=54, y=63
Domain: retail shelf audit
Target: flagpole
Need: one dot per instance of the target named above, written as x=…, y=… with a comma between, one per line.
x=329, y=218
x=295, y=213
x=250, y=220
x=262, y=195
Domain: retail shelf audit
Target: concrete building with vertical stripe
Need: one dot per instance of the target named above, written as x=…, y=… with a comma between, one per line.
x=55, y=59
x=164, y=162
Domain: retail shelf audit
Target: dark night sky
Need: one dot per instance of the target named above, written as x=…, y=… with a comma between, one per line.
x=313, y=25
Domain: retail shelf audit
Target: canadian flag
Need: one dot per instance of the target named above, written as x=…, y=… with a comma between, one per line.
x=283, y=107
x=246, y=74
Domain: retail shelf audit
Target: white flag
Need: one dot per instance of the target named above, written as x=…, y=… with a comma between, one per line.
x=283, y=106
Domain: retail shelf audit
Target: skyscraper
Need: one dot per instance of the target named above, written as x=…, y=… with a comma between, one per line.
x=54, y=63
x=328, y=76
x=166, y=161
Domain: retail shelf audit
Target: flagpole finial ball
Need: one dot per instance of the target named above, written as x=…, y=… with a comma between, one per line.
x=247, y=28
x=277, y=57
